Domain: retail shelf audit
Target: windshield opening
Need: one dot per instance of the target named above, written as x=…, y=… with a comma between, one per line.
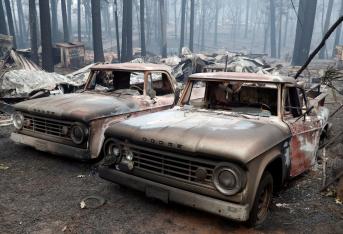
x=243, y=98
x=128, y=82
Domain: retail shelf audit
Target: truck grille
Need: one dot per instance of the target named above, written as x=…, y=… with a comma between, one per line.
x=46, y=126
x=173, y=166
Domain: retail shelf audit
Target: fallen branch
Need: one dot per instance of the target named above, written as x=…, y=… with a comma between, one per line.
x=335, y=112
x=319, y=47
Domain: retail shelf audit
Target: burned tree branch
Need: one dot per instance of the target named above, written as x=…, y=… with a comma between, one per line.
x=320, y=46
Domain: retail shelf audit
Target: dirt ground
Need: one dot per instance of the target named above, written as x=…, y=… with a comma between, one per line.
x=41, y=193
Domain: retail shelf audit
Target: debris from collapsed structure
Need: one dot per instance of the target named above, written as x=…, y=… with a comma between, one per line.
x=22, y=79
x=13, y=60
x=189, y=63
x=72, y=54
x=22, y=83
x=79, y=77
x=241, y=63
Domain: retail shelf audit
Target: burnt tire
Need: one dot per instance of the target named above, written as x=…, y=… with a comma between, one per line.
x=263, y=198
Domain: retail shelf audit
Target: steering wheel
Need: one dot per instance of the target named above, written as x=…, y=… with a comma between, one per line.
x=265, y=107
x=135, y=87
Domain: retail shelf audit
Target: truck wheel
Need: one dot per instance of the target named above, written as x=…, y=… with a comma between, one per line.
x=260, y=209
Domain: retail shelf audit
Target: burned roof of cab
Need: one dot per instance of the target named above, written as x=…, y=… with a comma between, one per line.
x=240, y=76
x=132, y=67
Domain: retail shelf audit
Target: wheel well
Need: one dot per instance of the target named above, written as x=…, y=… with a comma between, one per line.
x=276, y=170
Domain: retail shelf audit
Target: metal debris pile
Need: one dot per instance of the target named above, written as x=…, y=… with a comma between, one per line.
x=331, y=77
x=188, y=63
x=22, y=79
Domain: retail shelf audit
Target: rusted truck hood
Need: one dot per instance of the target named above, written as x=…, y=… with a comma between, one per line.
x=79, y=106
x=227, y=137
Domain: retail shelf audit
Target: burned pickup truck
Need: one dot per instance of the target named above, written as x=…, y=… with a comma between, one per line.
x=233, y=139
x=73, y=124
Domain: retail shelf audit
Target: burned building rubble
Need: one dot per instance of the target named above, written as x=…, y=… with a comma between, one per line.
x=21, y=79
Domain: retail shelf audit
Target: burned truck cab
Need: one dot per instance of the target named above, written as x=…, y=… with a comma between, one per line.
x=230, y=142
x=73, y=125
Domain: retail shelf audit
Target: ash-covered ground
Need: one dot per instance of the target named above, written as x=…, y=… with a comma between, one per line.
x=41, y=193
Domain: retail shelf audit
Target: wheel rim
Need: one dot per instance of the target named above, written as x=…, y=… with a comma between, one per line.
x=263, y=202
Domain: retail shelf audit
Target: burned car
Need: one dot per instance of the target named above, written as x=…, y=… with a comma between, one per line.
x=73, y=124
x=232, y=140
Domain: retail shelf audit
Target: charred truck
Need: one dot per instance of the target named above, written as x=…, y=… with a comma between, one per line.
x=232, y=140
x=73, y=124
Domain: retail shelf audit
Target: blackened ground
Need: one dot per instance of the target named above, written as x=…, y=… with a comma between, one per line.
x=41, y=193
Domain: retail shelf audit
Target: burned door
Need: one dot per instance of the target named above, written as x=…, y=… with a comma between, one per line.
x=305, y=128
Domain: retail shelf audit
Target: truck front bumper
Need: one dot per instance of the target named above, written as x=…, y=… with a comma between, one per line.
x=51, y=147
x=171, y=194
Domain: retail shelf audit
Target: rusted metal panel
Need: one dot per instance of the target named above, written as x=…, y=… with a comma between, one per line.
x=306, y=134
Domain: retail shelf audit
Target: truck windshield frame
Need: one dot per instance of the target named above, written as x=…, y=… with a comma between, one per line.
x=249, y=98
x=129, y=82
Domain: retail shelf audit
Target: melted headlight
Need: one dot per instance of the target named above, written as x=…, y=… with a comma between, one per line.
x=229, y=179
x=78, y=133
